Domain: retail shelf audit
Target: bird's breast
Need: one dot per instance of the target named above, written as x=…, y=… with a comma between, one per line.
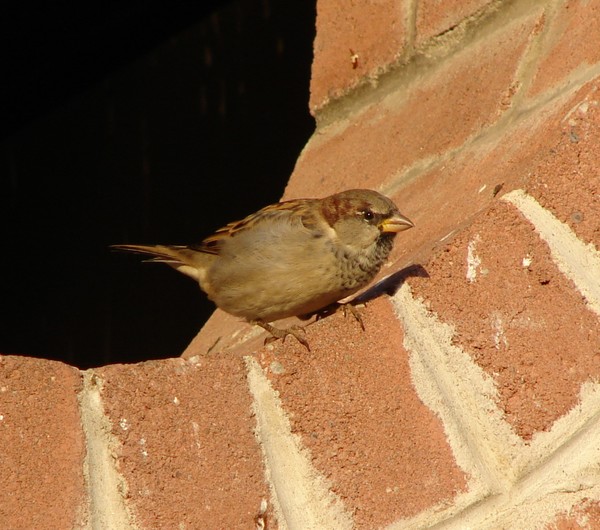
x=359, y=266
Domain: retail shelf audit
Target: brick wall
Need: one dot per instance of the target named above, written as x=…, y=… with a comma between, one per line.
x=471, y=399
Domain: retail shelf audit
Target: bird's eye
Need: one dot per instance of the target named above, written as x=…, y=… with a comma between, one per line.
x=368, y=215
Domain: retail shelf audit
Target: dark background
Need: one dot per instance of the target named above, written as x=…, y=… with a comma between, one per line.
x=149, y=122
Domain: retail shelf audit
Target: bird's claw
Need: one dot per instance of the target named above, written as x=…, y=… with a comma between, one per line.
x=346, y=308
x=295, y=331
x=349, y=308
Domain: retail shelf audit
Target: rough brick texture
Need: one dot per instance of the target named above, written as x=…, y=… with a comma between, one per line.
x=470, y=400
x=42, y=445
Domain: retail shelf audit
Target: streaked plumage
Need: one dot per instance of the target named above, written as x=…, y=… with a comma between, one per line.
x=290, y=258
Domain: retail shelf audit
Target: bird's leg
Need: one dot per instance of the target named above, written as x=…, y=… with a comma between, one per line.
x=276, y=333
x=346, y=308
x=350, y=308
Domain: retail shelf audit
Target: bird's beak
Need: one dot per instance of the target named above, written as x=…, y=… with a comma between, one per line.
x=396, y=223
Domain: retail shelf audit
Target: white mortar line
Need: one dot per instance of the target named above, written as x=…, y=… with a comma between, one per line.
x=511, y=484
x=105, y=486
x=301, y=498
x=462, y=395
x=576, y=260
x=568, y=477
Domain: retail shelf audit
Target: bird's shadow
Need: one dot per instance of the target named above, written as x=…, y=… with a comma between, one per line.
x=390, y=284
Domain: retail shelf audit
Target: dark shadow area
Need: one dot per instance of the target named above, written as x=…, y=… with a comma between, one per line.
x=159, y=139
x=55, y=50
x=390, y=284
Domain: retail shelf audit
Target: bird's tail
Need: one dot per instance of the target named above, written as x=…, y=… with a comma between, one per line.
x=187, y=261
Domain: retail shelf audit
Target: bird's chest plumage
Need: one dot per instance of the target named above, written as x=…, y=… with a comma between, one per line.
x=357, y=268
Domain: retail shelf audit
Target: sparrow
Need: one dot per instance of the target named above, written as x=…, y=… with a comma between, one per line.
x=291, y=258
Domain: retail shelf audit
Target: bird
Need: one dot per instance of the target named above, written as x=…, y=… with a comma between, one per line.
x=291, y=258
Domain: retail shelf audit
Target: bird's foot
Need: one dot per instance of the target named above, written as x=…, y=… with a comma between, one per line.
x=353, y=310
x=346, y=308
x=295, y=331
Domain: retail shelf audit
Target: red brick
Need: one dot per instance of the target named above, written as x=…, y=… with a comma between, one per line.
x=585, y=516
x=42, y=445
x=374, y=31
x=535, y=153
x=188, y=451
x=572, y=43
x=567, y=180
x=352, y=402
x=518, y=320
x=453, y=103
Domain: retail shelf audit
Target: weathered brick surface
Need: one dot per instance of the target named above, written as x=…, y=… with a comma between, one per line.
x=414, y=124
x=435, y=18
x=572, y=44
x=567, y=180
x=517, y=315
x=41, y=445
x=354, y=407
x=471, y=398
x=354, y=41
x=187, y=450
x=586, y=515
